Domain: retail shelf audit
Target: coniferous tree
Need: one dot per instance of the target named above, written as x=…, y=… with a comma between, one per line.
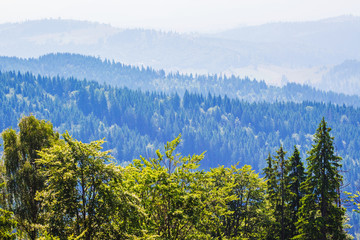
x=283, y=193
x=270, y=173
x=296, y=176
x=320, y=215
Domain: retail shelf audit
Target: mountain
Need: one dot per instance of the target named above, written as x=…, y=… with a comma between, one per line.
x=148, y=79
x=276, y=52
x=345, y=77
x=316, y=43
x=137, y=123
x=132, y=121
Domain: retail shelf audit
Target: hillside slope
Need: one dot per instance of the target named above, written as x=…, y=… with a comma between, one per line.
x=148, y=79
x=298, y=52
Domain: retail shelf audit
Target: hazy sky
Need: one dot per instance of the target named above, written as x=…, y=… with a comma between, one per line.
x=178, y=15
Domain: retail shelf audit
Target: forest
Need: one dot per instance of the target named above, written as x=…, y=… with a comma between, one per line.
x=229, y=131
x=56, y=187
x=135, y=122
x=116, y=74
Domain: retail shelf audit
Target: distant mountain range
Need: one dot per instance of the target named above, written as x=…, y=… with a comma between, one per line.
x=278, y=53
x=147, y=79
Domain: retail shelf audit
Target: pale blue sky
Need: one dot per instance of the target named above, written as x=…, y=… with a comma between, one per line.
x=178, y=15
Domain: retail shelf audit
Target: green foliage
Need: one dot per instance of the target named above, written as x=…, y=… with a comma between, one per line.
x=7, y=225
x=167, y=188
x=7, y=221
x=248, y=217
x=22, y=172
x=321, y=215
x=296, y=176
x=278, y=195
x=84, y=196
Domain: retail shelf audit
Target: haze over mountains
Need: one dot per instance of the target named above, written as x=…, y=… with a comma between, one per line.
x=67, y=65
x=138, y=89
x=316, y=53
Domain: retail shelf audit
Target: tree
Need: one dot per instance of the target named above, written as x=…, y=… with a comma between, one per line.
x=7, y=221
x=281, y=206
x=296, y=176
x=7, y=225
x=22, y=171
x=84, y=196
x=321, y=215
x=270, y=172
x=165, y=187
x=248, y=213
x=278, y=193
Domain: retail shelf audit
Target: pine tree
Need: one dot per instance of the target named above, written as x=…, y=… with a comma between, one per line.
x=283, y=193
x=272, y=196
x=321, y=216
x=296, y=176
x=270, y=176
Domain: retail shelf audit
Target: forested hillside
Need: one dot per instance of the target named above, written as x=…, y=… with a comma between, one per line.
x=147, y=79
x=135, y=122
x=60, y=188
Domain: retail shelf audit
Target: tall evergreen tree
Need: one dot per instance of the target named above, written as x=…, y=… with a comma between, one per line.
x=283, y=193
x=271, y=195
x=321, y=216
x=270, y=176
x=296, y=176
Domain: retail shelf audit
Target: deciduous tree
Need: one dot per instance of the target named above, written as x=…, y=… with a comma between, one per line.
x=22, y=171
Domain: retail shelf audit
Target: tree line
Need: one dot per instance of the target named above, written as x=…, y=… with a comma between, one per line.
x=113, y=73
x=135, y=122
x=55, y=187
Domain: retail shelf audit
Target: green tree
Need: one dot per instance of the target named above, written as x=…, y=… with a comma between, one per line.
x=22, y=172
x=281, y=208
x=84, y=196
x=7, y=225
x=163, y=185
x=248, y=214
x=270, y=172
x=296, y=176
x=180, y=202
x=320, y=215
x=216, y=191
x=7, y=221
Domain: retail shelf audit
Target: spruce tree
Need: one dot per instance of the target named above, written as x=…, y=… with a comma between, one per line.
x=276, y=174
x=320, y=214
x=270, y=173
x=283, y=193
x=270, y=176
x=296, y=176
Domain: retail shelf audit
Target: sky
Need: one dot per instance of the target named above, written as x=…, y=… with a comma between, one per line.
x=178, y=15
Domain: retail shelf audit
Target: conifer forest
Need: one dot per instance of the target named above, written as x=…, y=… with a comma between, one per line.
x=89, y=160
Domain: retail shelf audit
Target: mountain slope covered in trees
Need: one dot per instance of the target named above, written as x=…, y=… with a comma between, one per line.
x=230, y=130
x=147, y=79
x=301, y=52
x=137, y=123
x=61, y=188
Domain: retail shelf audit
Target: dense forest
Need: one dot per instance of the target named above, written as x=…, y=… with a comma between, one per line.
x=147, y=79
x=56, y=187
x=135, y=123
